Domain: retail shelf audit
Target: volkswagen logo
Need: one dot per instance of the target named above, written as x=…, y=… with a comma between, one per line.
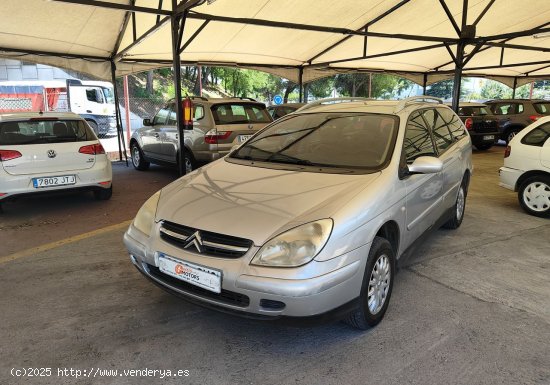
x=195, y=240
x=52, y=154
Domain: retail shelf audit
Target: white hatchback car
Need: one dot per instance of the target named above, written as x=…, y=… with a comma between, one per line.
x=45, y=152
x=309, y=217
x=527, y=168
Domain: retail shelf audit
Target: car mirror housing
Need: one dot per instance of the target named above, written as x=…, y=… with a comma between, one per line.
x=425, y=165
x=147, y=122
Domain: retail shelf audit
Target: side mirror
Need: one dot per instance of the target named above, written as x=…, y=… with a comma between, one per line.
x=147, y=122
x=425, y=165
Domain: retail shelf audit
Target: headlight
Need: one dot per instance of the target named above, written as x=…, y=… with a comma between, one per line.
x=145, y=217
x=295, y=247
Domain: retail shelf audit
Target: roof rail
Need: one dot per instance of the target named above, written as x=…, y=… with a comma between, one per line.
x=332, y=101
x=245, y=98
x=198, y=97
x=417, y=99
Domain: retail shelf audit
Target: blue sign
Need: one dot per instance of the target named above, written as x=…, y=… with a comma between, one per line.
x=278, y=99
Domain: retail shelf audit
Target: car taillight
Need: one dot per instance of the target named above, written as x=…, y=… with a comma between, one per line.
x=92, y=149
x=507, y=151
x=6, y=155
x=469, y=123
x=213, y=136
x=534, y=118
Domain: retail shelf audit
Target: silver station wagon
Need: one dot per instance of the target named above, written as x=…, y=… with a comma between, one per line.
x=309, y=217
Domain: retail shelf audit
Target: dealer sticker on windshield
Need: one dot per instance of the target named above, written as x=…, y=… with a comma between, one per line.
x=205, y=277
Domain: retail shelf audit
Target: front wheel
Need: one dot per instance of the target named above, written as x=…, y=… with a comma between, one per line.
x=188, y=161
x=510, y=135
x=534, y=196
x=377, y=286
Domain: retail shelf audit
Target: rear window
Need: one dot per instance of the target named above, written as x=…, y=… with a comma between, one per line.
x=542, y=108
x=538, y=136
x=473, y=111
x=240, y=113
x=44, y=131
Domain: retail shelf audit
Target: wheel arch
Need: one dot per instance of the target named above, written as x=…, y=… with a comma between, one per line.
x=528, y=175
x=390, y=231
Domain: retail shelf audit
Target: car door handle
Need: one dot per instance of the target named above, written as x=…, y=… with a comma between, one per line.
x=89, y=111
x=156, y=135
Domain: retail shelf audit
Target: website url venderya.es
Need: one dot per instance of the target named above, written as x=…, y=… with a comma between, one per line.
x=98, y=372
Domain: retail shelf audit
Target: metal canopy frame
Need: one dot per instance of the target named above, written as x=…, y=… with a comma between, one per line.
x=181, y=10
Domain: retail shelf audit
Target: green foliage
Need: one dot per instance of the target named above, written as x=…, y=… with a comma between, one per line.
x=495, y=90
x=383, y=86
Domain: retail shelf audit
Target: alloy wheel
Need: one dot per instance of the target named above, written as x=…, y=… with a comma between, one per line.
x=379, y=284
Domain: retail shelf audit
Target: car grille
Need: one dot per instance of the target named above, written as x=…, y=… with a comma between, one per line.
x=226, y=296
x=204, y=242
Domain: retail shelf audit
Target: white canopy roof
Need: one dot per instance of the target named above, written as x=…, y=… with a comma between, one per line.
x=416, y=39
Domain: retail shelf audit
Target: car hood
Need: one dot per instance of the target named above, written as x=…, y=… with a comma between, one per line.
x=253, y=202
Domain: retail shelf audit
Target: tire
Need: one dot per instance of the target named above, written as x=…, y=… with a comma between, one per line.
x=510, y=135
x=103, y=194
x=188, y=160
x=458, y=208
x=138, y=160
x=484, y=146
x=534, y=196
x=378, y=279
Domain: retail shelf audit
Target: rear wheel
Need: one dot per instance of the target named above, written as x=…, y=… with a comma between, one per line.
x=138, y=160
x=103, y=194
x=377, y=286
x=188, y=161
x=534, y=196
x=458, y=209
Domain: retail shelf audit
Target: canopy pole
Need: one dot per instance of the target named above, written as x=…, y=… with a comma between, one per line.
x=514, y=87
x=176, y=64
x=120, y=134
x=458, y=76
x=424, y=84
x=301, y=84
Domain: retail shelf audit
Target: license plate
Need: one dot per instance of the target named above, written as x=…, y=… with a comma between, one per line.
x=488, y=137
x=205, y=277
x=54, y=181
x=244, y=138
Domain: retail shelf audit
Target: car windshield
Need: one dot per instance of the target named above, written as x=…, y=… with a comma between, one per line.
x=473, y=111
x=325, y=140
x=109, y=96
x=240, y=113
x=44, y=131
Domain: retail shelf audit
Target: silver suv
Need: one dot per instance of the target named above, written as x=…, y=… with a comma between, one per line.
x=218, y=125
x=309, y=216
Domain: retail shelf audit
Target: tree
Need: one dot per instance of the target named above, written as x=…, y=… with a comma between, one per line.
x=495, y=90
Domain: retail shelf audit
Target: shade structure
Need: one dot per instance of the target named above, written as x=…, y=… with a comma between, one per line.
x=302, y=40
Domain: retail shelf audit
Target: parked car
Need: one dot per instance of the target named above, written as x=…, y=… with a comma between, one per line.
x=480, y=123
x=527, y=168
x=47, y=152
x=218, y=125
x=514, y=115
x=278, y=111
x=309, y=217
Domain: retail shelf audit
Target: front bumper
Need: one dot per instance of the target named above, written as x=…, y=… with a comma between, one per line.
x=509, y=177
x=258, y=292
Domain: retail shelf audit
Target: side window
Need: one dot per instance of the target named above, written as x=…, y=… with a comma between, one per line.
x=172, y=118
x=519, y=108
x=199, y=112
x=538, y=136
x=418, y=141
x=440, y=130
x=455, y=125
x=161, y=116
x=93, y=95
